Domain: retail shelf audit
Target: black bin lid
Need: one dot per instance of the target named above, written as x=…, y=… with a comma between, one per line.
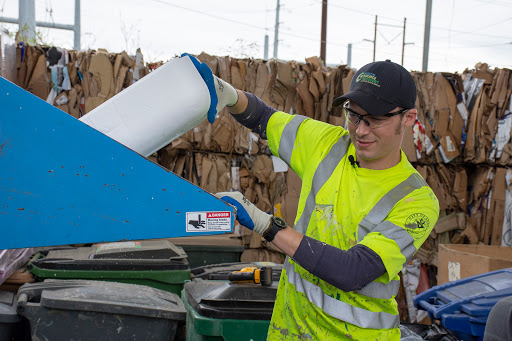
x=227, y=300
x=122, y=256
x=222, y=271
x=8, y=312
x=104, y=297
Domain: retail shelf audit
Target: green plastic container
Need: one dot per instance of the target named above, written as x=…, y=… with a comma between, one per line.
x=220, y=310
x=155, y=263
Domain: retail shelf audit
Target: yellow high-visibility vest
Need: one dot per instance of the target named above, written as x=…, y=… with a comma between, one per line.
x=391, y=211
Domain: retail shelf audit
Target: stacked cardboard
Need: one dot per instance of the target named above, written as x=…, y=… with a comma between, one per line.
x=462, y=119
x=460, y=142
x=7, y=56
x=75, y=81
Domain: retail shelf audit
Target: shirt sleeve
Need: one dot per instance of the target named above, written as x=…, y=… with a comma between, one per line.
x=256, y=115
x=338, y=267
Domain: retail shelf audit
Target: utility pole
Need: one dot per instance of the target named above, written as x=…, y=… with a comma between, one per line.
x=349, y=55
x=375, y=39
x=276, y=30
x=265, y=49
x=27, y=21
x=27, y=18
x=77, y=26
x=323, y=39
x=404, y=43
x=426, y=38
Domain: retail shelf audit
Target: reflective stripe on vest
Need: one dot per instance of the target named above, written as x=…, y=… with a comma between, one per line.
x=380, y=290
x=322, y=174
x=374, y=222
x=338, y=309
x=289, y=134
x=380, y=211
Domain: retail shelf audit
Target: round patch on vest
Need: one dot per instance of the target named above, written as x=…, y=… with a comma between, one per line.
x=417, y=224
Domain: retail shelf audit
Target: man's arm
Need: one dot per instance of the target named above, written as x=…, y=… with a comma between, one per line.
x=337, y=267
x=240, y=105
x=252, y=112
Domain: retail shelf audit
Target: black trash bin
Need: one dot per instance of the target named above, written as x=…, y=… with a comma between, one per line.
x=96, y=310
x=9, y=319
x=222, y=271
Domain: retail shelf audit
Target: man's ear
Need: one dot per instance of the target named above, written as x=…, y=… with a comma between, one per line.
x=410, y=117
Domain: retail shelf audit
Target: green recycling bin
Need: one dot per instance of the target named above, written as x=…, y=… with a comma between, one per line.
x=221, y=310
x=155, y=263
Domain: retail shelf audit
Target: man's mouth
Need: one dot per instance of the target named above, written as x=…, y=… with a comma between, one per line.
x=363, y=143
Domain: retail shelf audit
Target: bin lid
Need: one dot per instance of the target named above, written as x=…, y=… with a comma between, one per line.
x=221, y=271
x=8, y=312
x=465, y=323
x=474, y=295
x=142, y=255
x=227, y=300
x=105, y=297
x=142, y=249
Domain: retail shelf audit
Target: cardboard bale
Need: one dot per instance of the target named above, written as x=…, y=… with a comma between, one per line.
x=39, y=82
x=7, y=57
x=462, y=261
x=291, y=198
x=261, y=255
x=496, y=208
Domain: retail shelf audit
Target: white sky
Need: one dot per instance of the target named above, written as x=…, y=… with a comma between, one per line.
x=463, y=33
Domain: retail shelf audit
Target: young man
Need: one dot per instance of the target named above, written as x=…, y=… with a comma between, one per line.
x=363, y=210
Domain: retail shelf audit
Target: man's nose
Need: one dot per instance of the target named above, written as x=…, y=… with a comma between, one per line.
x=362, y=128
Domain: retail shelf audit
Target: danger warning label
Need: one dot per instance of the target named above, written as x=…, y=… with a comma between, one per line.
x=208, y=221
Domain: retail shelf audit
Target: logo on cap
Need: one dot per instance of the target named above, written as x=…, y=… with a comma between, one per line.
x=368, y=77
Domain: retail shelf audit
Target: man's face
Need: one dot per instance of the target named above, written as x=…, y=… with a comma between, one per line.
x=379, y=148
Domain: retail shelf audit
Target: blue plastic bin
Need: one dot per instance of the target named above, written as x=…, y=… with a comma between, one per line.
x=463, y=306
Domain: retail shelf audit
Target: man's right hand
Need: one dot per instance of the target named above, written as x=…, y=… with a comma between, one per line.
x=222, y=94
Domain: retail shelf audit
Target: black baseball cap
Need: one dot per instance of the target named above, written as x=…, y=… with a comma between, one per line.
x=380, y=87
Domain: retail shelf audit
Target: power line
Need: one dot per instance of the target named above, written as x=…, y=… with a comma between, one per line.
x=281, y=31
x=494, y=24
x=478, y=46
x=210, y=15
x=497, y=3
x=363, y=12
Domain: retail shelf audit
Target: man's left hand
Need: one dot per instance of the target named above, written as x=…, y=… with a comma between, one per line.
x=247, y=213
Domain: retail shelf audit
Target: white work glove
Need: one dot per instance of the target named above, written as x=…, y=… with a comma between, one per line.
x=247, y=214
x=226, y=94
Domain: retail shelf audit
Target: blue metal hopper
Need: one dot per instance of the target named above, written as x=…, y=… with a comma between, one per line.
x=62, y=182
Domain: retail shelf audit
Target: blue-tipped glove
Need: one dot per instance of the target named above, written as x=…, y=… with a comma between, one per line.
x=247, y=213
x=221, y=93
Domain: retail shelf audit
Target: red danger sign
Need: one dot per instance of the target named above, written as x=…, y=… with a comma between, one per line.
x=218, y=214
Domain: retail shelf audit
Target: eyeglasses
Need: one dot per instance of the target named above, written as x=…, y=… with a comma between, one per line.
x=371, y=121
